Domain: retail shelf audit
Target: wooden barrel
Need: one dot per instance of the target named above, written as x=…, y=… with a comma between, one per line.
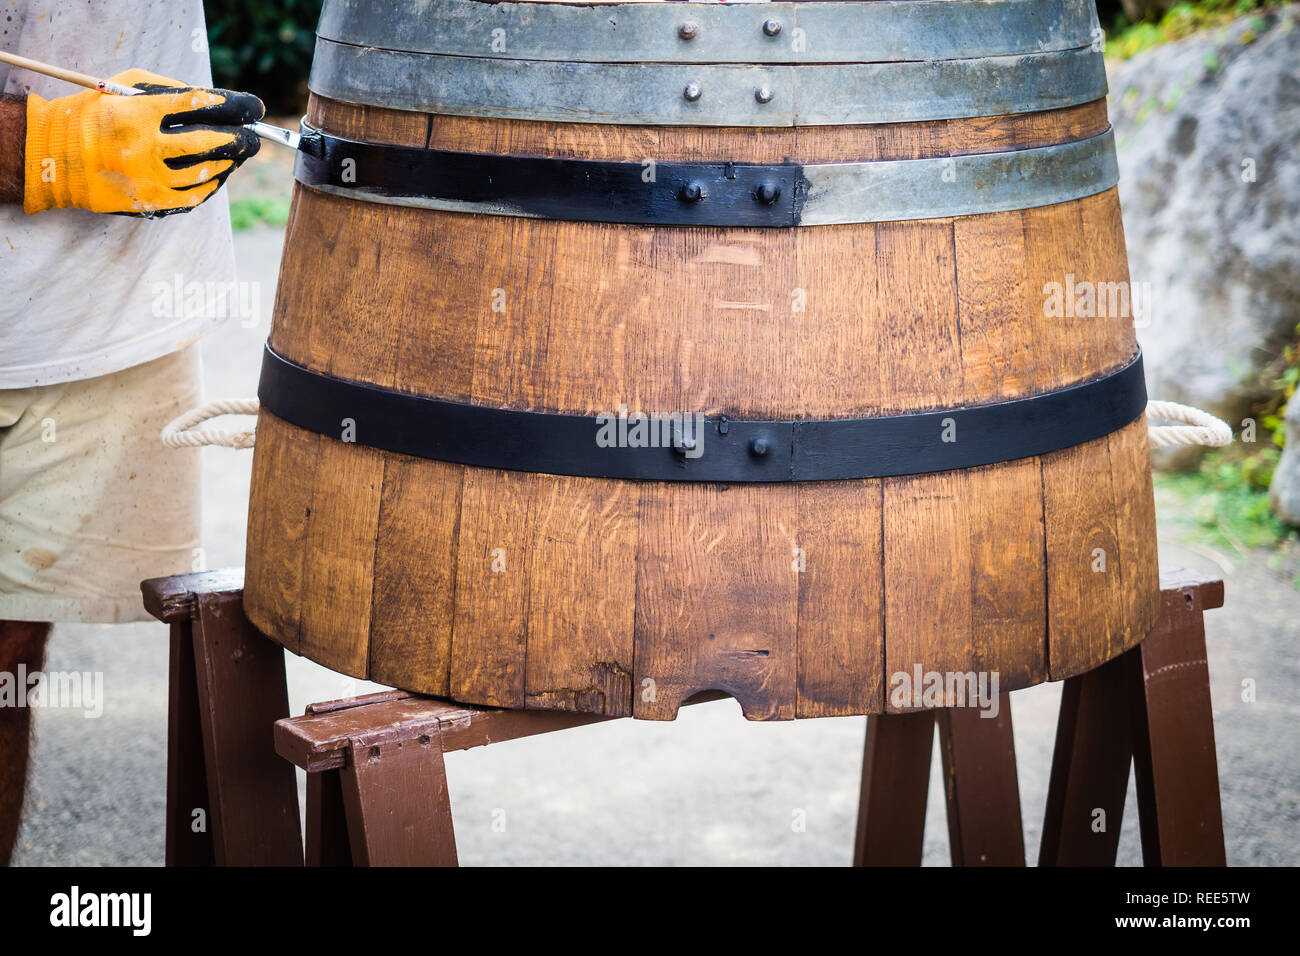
x=862, y=262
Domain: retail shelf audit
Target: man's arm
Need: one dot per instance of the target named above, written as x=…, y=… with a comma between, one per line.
x=13, y=139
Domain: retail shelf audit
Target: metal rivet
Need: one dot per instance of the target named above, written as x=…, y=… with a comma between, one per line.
x=694, y=191
x=763, y=94
x=767, y=193
x=689, y=30
x=692, y=92
x=682, y=446
x=758, y=446
x=771, y=26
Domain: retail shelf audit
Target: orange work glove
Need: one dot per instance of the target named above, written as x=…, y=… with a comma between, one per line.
x=161, y=151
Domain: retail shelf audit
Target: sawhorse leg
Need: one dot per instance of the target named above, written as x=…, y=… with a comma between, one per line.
x=980, y=788
x=1150, y=707
x=397, y=806
x=231, y=801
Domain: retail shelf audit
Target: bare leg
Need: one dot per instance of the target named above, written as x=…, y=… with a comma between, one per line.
x=21, y=642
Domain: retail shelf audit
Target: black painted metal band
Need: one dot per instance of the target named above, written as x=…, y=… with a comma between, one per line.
x=687, y=194
x=725, y=450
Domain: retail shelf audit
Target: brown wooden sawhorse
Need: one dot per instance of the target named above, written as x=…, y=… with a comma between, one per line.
x=231, y=800
x=377, y=789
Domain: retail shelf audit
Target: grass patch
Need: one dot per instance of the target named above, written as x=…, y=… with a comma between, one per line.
x=258, y=211
x=1224, y=502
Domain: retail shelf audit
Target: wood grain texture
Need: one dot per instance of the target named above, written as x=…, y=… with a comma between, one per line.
x=716, y=599
x=1000, y=357
x=326, y=323
x=582, y=594
x=820, y=144
x=920, y=339
x=841, y=607
x=1135, y=510
x=1085, y=601
x=414, y=596
x=833, y=320
x=586, y=534
x=927, y=537
x=339, y=556
x=999, y=361
x=1116, y=302
x=1053, y=236
x=520, y=590
x=1008, y=574
x=493, y=558
x=928, y=572
x=834, y=317
x=280, y=498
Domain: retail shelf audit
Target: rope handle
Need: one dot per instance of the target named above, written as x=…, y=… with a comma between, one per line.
x=183, y=431
x=1194, y=427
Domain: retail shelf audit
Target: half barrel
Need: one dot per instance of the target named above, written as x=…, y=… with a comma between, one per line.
x=861, y=267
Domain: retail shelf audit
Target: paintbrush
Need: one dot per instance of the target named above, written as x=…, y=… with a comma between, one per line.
x=276, y=134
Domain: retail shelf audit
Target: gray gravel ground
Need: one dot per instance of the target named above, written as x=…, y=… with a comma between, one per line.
x=710, y=788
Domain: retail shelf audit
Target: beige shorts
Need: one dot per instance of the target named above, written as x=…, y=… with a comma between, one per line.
x=91, y=502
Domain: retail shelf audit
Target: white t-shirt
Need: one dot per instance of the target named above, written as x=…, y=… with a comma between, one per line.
x=83, y=294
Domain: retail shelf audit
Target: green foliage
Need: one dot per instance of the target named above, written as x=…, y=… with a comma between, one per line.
x=1125, y=39
x=1280, y=379
x=259, y=210
x=1226, y=500
x=264, y=47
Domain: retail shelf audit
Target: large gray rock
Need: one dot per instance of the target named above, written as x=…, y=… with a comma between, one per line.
x=1284, y=490
x=1208, y=131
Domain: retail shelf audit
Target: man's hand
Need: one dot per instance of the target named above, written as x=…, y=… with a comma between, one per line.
x=162, y=151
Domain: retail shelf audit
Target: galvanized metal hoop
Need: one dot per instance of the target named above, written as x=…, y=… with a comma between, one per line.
x=769, y=33
x=707, y=194
x=677, y=94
